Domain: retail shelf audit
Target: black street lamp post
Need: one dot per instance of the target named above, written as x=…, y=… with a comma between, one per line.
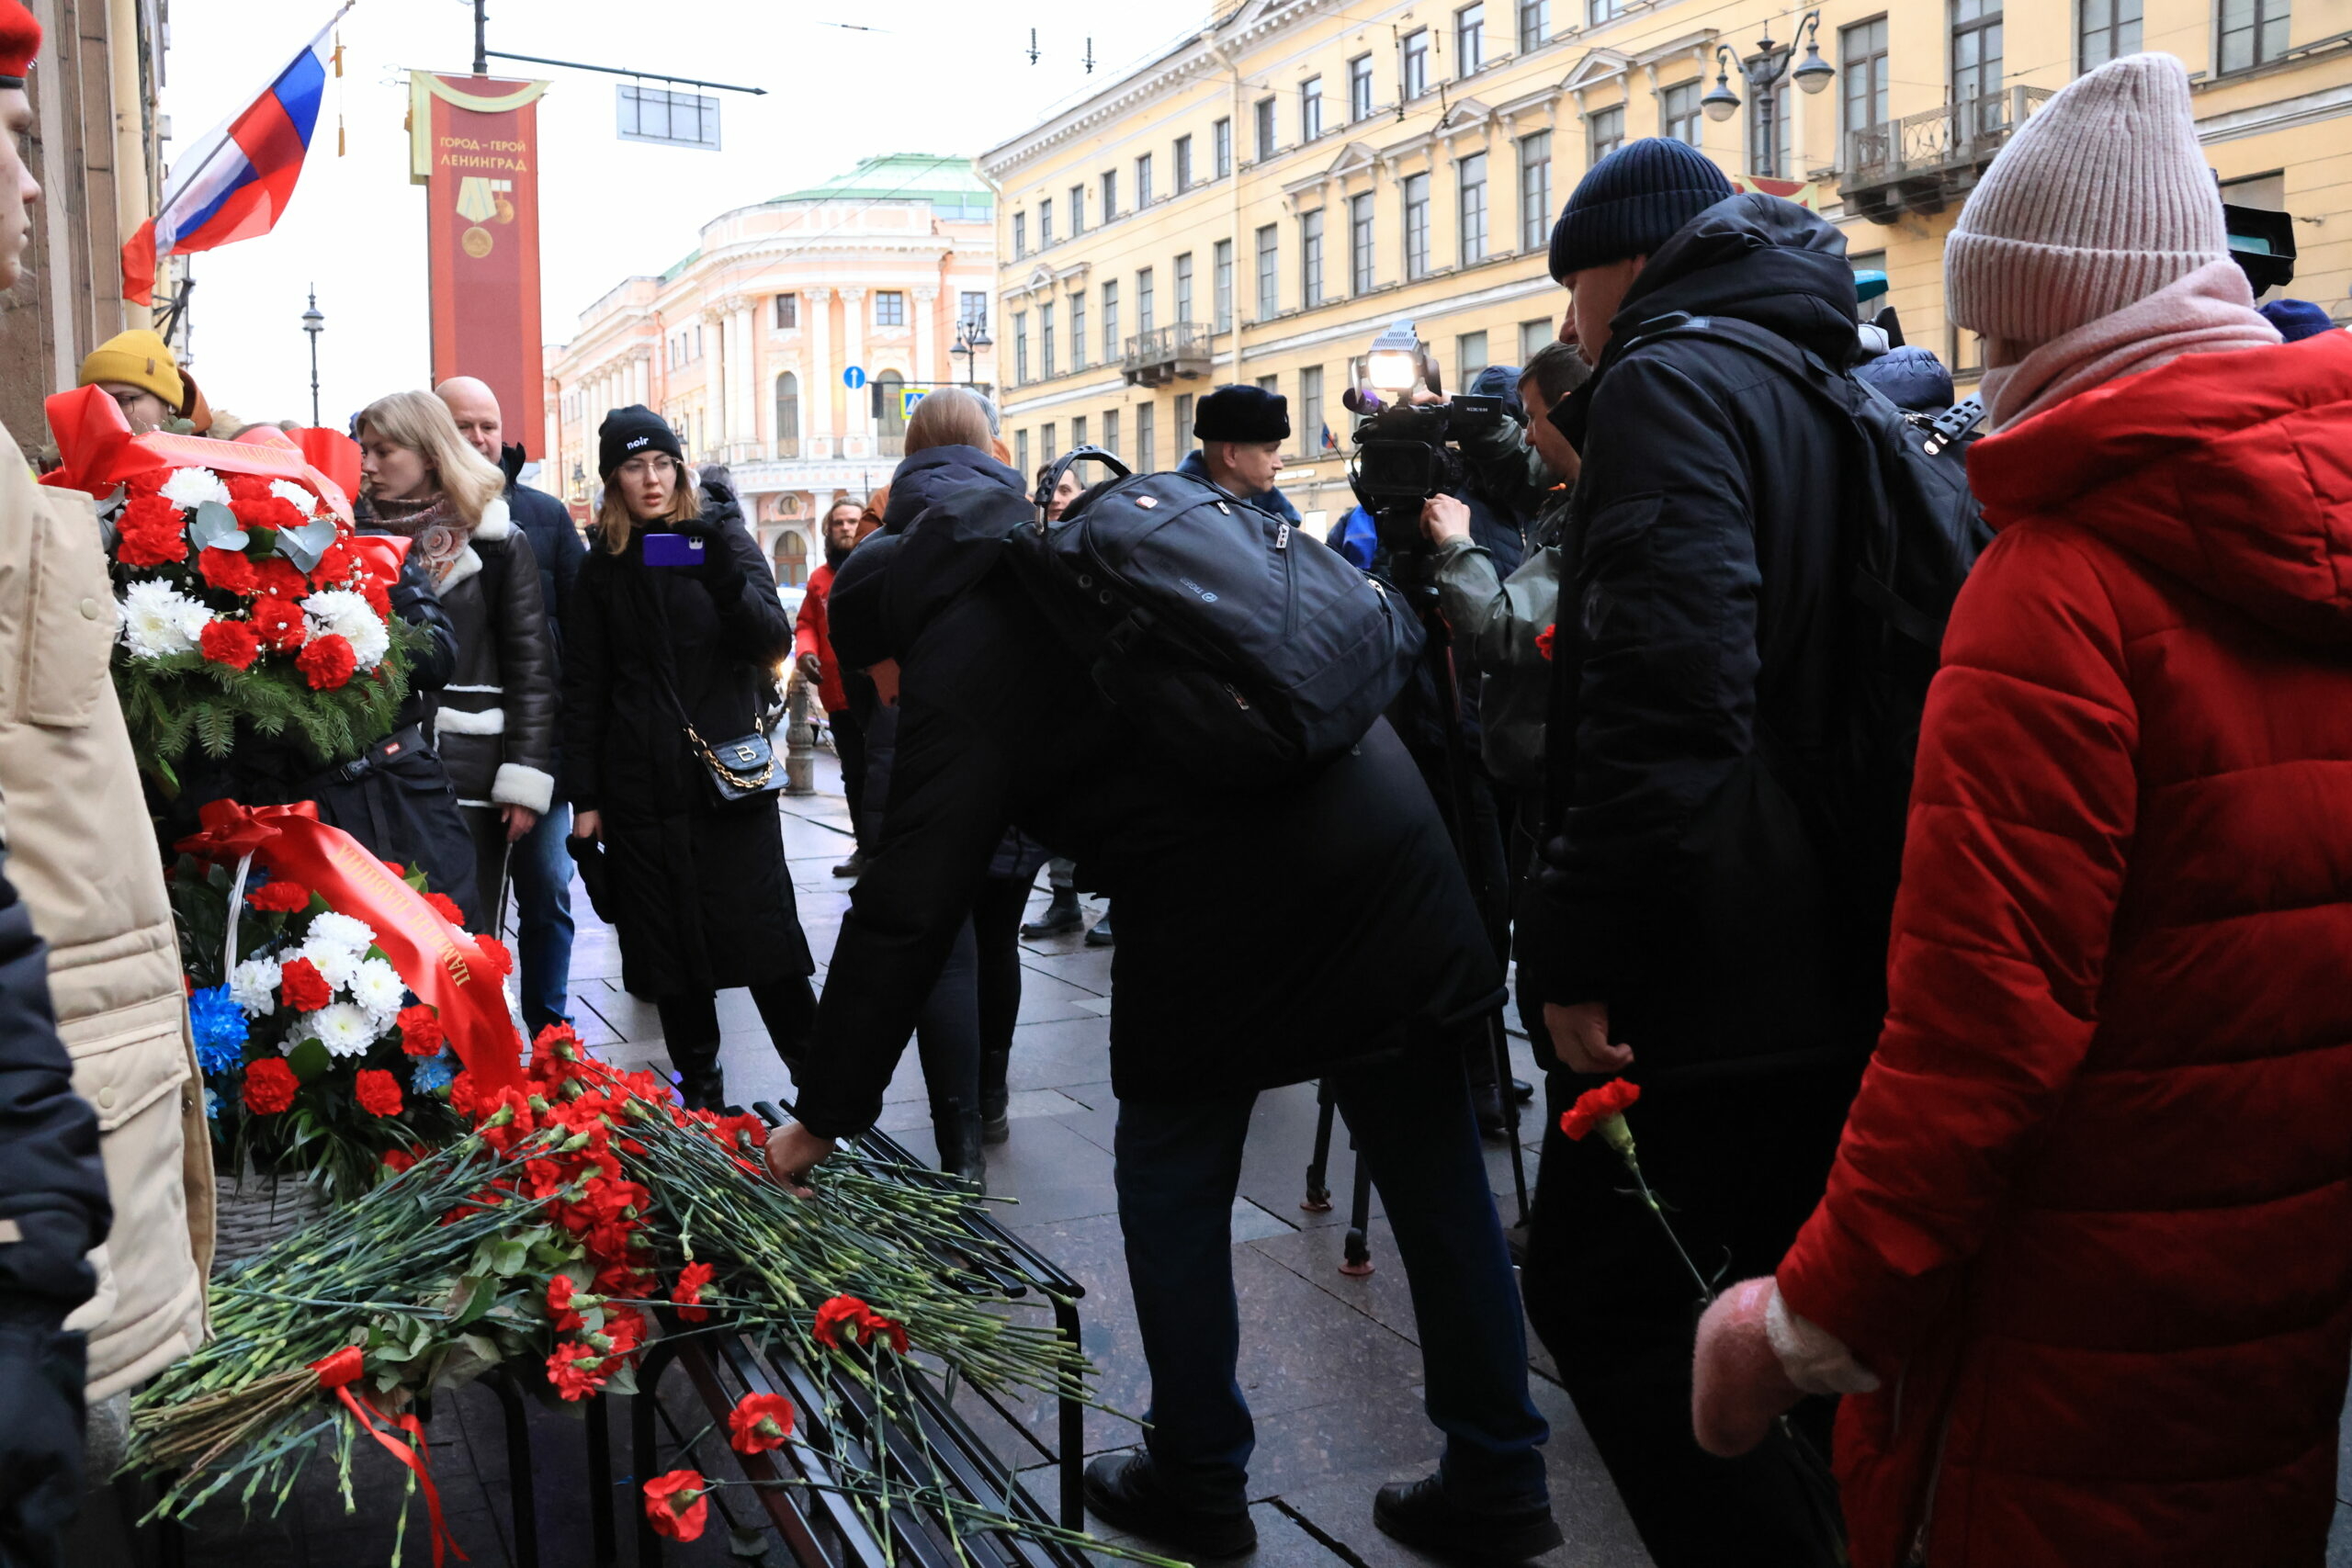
x=314, y=323
x=1762, y=71
x=970, y=338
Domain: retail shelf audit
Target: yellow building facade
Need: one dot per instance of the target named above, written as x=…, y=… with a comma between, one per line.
x=1259, y=202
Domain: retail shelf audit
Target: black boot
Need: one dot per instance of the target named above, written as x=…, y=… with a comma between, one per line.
x=1060, y=915
x=1100, y=935
x=1419, y=1513
x=1123, y=1492
x=1497, y=1118
x=959, y=1136
x=996, y=1127
x=701, y=1082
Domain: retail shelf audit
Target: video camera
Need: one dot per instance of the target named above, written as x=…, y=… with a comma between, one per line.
x=1405, y=451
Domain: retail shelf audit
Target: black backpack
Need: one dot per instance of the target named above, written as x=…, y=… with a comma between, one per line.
x=1911, y=530
x=1243, y=649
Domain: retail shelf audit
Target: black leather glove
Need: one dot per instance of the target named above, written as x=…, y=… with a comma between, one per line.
x=41, y=1372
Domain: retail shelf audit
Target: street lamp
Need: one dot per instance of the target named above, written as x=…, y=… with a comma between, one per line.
x=970, y=338
x=314, y=323
x=1762, y=71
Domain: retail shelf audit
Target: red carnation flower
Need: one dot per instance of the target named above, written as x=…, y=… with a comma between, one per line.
x=280, y=578
x=759, y=1422
x=149, y=534
x=421, y=1034
x=265, y=511
x=863, y=1321
x=244, y=486
x=300, y=985
x=500, y=958
x=564, y=1301
x=576, y=1370
x=326, y=662
x=282, y=896
x=1544, y=640
x=398, y=1160
x=228, y=571
x=231, y=643
x=678, y=1504
x=688, y=1295
x=335, y=564
x=377, y=1091
x=446, y=907
x=277, y=621
x=1595, y=1106
x=269, y=1086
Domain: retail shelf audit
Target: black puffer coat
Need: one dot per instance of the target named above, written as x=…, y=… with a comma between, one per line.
x=1358, y=935
x=495, y=727
x=1696, y=690
x=704, y=900
x=936, y=472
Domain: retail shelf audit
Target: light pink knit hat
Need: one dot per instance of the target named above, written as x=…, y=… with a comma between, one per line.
x=2099, y=199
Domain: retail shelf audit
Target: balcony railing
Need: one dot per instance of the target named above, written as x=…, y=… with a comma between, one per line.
x=1158, y=357
x=1924, y=163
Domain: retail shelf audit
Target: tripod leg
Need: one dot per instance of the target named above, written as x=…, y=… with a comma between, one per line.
x=1318, y=1170
x=1510, y=1102
x=1358, y=1247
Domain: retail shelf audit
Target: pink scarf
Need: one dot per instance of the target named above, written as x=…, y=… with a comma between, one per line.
x=2210, y=311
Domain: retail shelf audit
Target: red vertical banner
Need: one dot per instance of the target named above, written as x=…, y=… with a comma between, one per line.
x=474, y=145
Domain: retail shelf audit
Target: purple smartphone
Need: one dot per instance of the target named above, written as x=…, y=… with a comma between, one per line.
x=673, y=550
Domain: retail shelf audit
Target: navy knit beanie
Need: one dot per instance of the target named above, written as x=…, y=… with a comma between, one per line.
x=1632, y=201
x=2297, y=319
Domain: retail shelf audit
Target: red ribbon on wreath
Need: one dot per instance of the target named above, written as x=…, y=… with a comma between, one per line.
x=441, y=964
x=336, y=1375
x=98, y=451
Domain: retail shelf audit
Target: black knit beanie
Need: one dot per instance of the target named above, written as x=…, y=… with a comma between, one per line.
x=1632, y=202
x=626, y=432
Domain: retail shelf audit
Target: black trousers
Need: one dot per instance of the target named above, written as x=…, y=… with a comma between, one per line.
x=996, y=928
x=1739, y=1167
x=690, y=1023
x=486, y=826
x=849, y=745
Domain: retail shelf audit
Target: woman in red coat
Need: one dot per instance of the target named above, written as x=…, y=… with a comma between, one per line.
x=2085, y=1264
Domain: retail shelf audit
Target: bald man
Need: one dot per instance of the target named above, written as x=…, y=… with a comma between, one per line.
x=540, y=865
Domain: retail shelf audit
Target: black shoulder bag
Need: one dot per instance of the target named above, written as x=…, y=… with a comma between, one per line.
x=737, y=769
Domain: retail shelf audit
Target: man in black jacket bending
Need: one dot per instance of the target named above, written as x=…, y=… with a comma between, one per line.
x=1357, y=956
x=1687, y=930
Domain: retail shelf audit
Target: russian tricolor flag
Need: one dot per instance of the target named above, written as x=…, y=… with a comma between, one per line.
x=234, y=183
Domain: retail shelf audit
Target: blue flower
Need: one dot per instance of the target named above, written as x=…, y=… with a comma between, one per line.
x=431, y=1074
x=220, y=1027
x=212, y=1106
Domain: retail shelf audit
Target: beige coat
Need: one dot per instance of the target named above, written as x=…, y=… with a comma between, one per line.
x=83, y=854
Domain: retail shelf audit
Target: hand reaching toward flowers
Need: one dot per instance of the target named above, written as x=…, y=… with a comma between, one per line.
x=793, y=1152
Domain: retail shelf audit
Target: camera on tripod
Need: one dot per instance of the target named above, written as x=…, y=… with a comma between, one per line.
x=1404, y=449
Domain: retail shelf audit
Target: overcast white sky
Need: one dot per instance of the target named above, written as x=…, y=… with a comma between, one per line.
x=934, y=76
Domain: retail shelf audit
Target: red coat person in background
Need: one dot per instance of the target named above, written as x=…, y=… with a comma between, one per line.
x=812, y=646
x=2085, y=1264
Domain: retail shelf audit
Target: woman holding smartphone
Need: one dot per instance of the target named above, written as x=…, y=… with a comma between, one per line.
x=675, y=626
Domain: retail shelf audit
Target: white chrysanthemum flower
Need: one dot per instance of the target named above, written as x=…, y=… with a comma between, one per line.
x=190, y=488
x=336, y=965
x=304, y=501
x=252, y=985
x=331, y=929
x=378, y=986
x=349, y=615
x=344, y=1028
x=158, y=620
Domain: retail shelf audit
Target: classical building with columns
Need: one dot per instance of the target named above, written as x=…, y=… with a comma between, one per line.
x=748, y=346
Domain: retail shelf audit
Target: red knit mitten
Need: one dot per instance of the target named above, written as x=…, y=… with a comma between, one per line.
x=1737, y=1387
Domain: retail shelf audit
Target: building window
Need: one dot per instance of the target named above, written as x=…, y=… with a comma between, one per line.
x=1534, y=24
x=1221, y=149
x=1608, y=10
x=889, y=308
x=1045, y=223
x=1677, y=111
x=888, y=387
x=1976, y=66
x=1143, y=180
x=1471, y=221
x=1147, y=437
x=1862, y=58
x=1078, y=432
x=1360, y=88
x=1533, y=335
x=1417, y=226
x=1359, y=242
x=1111, y=432
x=2253, y=32
x=1269, y=281
x=1309, y=423
x=1020, y=234
x=1045, y=339
x=1310, y=109
x=1263, y=111
x=2110, y=29
x=1021, y=451
x=1184, y=418
x=788, y=408
x=1184, y=288
x=1076, y=210
x=972, y=311
x=1417, y=63
x=791, y=558
x=1310, y=259
x=1110, y=322
x=1469, y=40
x=1221, y=262
x=1020, y=347
x=1145, y=301
x=1469, y=358
x=1183, y=164
x=787, y=311
x=1047, y=447
x=1767, y=145
x=1110, y=194
x=1077, y=330
x=1606, y=128
x=1964, y=352
x=1534, y=191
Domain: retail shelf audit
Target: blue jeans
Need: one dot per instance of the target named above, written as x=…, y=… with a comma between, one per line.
x=540, y=868
x=1179, y=1165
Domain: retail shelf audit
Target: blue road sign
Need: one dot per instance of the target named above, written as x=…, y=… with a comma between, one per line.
x=854, y=378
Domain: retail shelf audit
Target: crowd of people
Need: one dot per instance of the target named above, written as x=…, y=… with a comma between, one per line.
x=2000, y=1117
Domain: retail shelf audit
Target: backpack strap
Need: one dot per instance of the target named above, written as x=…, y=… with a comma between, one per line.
x=1062, y=465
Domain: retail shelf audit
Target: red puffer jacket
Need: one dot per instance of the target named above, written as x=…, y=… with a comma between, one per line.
x=2091, y=1222
x=812, y=632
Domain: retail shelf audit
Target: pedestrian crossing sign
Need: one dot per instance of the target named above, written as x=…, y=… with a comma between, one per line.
x=908, y=398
